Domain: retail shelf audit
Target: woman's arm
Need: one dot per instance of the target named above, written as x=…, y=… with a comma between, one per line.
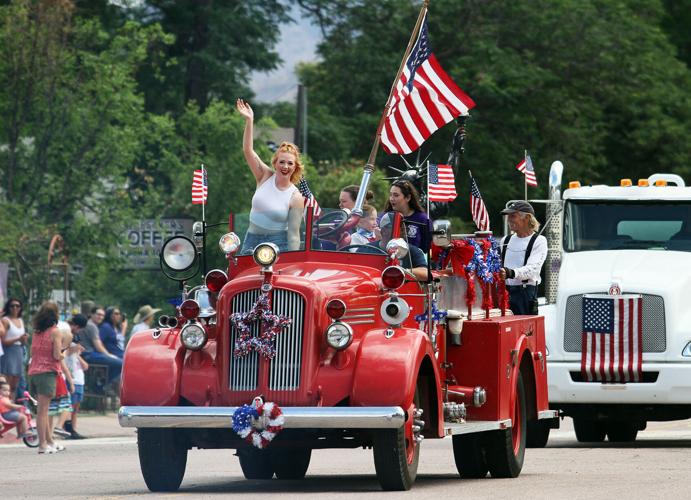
x=56, y=338
x=296, y=208
x=260, y=170
x=68, y=375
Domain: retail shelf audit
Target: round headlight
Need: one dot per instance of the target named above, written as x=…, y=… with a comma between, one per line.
x=229, y=243
x=397, y=248
x=265, y=254
x=179, y=253
x=189, y=309
x=392, y=277
x=193, y=336
x=339, y=335
x=215, y=280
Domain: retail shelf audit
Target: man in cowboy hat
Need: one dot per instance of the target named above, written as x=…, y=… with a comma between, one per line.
x=143, y=319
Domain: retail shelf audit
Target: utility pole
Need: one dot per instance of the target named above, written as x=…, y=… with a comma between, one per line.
x=300, y=136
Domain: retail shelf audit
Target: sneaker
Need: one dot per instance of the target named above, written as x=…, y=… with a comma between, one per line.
x=61, y=432
x=76, y=435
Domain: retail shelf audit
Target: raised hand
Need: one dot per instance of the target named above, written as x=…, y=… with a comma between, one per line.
x=244, y=109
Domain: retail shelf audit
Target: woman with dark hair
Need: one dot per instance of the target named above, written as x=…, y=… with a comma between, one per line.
x=12, y=362
x=108, y=331
x=46, y=354
x=349, y=194
x=403, y=198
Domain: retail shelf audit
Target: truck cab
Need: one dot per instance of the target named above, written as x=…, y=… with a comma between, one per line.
x=635, y=239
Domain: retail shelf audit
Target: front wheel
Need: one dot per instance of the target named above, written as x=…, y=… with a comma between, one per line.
x=291, y=463
x=506, y=448
x=469, y=455
x=32, y=439
x=162, y=458
x=397, y=451
x=255, y=464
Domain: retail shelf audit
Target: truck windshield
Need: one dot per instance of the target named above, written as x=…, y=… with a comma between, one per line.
x=623, y=225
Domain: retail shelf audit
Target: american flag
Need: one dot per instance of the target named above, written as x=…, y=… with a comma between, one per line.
x=612, y=338
x=526, y=167
x=477, y=207
x=440, y=183
x=310, y=200
x=425, y=99
x=199, y=187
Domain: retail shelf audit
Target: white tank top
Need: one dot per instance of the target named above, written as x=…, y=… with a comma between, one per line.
x=270, y=206
x=14, y=332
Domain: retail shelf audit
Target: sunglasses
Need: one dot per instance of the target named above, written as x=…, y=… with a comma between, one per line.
x=15, y=305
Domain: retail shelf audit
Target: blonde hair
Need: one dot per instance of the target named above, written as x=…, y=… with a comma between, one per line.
x=289, y=147
x=368, y=210
x=533, y=223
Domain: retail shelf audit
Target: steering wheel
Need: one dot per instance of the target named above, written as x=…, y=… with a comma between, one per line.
x=347, y=248
x=337, y=217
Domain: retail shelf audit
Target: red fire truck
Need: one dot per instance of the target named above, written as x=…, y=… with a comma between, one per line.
x=292, y=351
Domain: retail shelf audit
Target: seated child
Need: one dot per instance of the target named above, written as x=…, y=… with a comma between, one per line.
x=11, y=411
x=367, y=229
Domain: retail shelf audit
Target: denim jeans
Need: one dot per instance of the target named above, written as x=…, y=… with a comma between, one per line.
x=114, y=364
x=522, y=299
x=253, y=239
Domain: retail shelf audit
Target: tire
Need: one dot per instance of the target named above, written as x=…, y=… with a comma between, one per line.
x=622, y=432
x=396, y=454
x=589, y=431
x=31, y=441
x=162, y=458
x=538, y=434
x=255, y=464
x=290, y=463
x=506, y=448
x=469, y=455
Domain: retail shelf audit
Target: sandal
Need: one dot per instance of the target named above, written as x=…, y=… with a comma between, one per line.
x=46, y=451
x=58, y=447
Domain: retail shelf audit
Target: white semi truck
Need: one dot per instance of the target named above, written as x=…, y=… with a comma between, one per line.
x=631, y=238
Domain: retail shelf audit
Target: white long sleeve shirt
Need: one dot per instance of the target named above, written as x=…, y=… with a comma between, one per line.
x=515, y=255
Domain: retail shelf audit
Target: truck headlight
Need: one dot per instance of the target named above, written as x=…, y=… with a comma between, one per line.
x=394, y=310
x=265, y=254
x=193, y=336
x=339, y=335
x=179, y=253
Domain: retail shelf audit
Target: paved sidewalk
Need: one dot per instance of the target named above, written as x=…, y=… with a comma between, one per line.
x=91, y=425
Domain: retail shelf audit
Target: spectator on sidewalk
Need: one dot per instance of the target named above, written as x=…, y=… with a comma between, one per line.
x=94, y=350
x=143, y=319
x=61, y=404
x=110, y=331
x=77, y=366
x=12, y=361
x=11, y=411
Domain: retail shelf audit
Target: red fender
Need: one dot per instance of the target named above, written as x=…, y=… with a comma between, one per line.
x=150, y=363
x=520, y=347
x=386, y=369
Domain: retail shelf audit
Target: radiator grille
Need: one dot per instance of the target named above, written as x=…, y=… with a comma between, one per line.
x=284, y=369
x=654, y=338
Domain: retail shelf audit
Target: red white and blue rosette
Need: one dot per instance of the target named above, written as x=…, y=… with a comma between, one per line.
x=259, y=423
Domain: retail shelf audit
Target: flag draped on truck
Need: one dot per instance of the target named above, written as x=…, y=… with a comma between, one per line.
x=612, y=338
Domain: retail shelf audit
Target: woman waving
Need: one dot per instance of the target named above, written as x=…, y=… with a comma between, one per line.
x=277, y=204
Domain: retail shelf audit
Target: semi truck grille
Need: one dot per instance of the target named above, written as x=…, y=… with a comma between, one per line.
x=284, y=369
x=654, y=338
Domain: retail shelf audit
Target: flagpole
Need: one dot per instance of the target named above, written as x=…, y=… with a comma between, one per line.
x=409, y=48
x=525, y=177
x=205, y=183
x=428, y=187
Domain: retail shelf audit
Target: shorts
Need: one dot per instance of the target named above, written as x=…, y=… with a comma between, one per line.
x=78, y=394
x=43, y=384
x=252, y=240
x=60, y=405
x=12, y=415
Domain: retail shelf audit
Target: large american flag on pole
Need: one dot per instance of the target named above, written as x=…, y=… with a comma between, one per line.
x=440, y=183
x=527, y=169
x=425, y=99
x=612, y=338
x=199, y=187
x=478, y=209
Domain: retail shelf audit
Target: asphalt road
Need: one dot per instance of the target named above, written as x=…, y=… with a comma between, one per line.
x=656, y=466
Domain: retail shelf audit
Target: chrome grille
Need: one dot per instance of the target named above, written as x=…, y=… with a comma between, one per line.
x=284, y=371
x=244, y=371
x=654, y=338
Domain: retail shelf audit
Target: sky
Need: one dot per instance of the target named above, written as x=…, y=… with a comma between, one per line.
x=298, y=43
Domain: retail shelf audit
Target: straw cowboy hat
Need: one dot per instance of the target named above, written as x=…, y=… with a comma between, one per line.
x=144, y=313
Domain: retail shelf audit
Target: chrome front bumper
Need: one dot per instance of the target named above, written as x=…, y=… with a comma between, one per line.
x=296, y=417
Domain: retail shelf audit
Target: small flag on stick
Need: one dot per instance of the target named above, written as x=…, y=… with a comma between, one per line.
x=526, y=168
x=199, y=187
x=425, y=99
x=478, y=209
x=310, y=200
x=440, y=183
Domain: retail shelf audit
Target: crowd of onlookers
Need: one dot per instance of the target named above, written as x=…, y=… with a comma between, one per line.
x=50, y=363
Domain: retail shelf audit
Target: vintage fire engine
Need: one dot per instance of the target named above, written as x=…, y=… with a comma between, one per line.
x=299, y=350
x=633, y=238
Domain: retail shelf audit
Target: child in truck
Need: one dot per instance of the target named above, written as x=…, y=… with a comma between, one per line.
x=367, y=229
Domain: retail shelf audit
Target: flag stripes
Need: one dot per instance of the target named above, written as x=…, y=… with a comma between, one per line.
x=527, y=169
x=310, y=199
x=199, y=187
x=478, y=210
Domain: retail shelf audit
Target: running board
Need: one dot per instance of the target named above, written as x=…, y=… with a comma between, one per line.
x=472, y=426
